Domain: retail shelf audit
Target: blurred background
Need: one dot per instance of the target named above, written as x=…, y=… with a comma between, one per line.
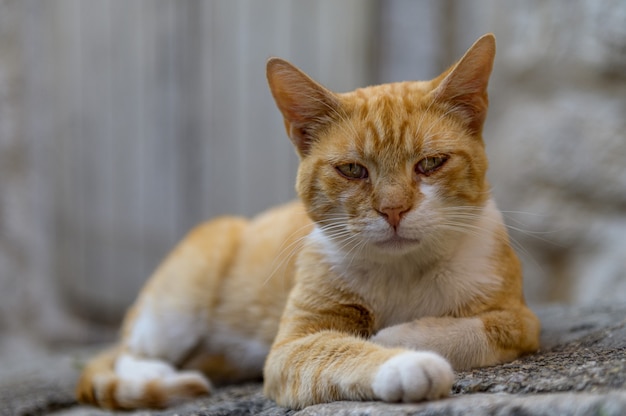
x=124, y=123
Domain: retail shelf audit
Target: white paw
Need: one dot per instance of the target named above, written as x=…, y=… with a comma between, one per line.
x=413, y=376
x=130, y=367
x=143, y=382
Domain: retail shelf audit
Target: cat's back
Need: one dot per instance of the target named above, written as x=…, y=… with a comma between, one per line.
x=254, y=239
x=252, y=246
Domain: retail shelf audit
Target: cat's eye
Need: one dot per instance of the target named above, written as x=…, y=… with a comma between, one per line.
x=352, y=171
x=430, y=164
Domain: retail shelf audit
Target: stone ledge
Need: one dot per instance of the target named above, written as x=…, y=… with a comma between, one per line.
x=581, y=369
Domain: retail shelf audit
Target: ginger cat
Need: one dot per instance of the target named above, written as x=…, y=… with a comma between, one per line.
x=393, y=269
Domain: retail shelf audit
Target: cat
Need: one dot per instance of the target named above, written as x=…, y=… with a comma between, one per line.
x=392, y=269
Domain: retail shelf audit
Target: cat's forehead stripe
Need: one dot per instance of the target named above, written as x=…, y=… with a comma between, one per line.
x=390, y=116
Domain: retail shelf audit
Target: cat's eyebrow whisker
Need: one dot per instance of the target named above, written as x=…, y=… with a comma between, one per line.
x=427, y=134
x=450, y=110
x=342, y=116
x=424, y=113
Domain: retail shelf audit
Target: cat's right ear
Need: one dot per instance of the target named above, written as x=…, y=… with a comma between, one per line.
x=307, y=107
x=464, y=85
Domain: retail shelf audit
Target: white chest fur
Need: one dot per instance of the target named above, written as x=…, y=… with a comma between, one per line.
x=403, y=288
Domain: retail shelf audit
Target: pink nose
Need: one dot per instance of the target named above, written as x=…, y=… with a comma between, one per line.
x=393, y=215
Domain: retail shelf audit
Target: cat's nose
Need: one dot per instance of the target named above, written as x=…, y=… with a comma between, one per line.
x=393, y=215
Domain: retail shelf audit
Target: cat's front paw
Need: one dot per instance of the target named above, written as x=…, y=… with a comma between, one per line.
x=413, y=376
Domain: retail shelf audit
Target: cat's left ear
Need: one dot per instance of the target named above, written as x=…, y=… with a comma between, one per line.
x=307, y=107
x=464, y=85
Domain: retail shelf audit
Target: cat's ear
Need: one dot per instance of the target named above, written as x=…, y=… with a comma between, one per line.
x=307, y=107
x=464, y=85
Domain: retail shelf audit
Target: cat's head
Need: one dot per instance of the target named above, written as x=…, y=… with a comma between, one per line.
x=391, y=167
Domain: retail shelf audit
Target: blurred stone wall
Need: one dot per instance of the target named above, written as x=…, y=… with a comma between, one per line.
x=29, y=295
x=557, y=143
x=556, y=130
x=13, y=175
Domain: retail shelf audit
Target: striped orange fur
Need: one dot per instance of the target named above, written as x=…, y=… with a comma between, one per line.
x=393, y=268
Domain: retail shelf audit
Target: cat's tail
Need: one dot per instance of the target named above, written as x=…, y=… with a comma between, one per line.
x=115, y=380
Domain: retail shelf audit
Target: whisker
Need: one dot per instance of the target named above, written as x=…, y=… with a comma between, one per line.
x=471, y=213
x=360, y=243
x=293, y=247
x=478, y=232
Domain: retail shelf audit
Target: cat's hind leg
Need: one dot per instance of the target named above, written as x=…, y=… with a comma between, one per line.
x=141, y=372
x=122, y=381
x=170, y=319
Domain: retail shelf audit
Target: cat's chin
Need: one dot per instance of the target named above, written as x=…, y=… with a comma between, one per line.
x=397, y=245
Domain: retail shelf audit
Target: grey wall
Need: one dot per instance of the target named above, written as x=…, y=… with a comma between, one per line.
x=122, y=124
x=557, y=142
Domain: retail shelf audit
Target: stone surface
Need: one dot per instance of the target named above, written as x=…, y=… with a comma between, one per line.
x=580, y=369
